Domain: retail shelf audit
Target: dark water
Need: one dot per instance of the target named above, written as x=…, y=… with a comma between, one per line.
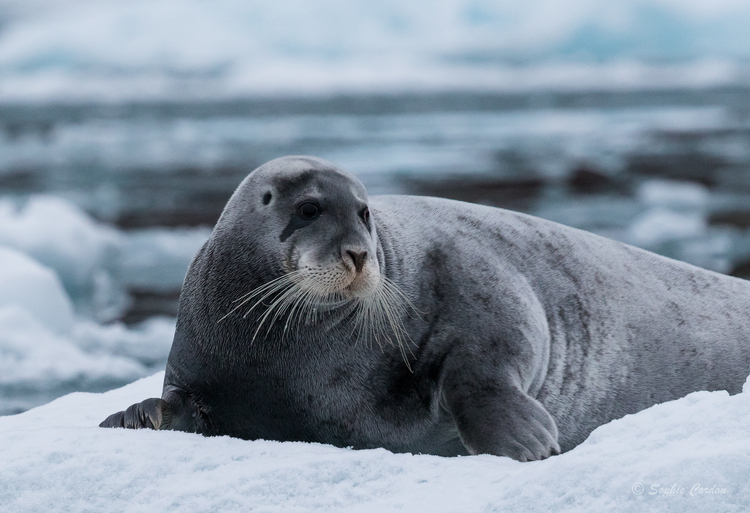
x=668, y=170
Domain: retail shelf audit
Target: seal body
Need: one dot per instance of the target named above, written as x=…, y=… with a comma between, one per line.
x=428, y=325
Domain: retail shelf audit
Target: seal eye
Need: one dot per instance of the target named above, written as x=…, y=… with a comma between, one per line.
x=365, y=215
x=308, y=211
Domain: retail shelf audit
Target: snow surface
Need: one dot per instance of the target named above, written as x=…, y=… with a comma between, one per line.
x=84, y=49
x=688, y=455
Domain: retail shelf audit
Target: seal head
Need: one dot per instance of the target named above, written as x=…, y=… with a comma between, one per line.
x=317, y=219
x=319, y=244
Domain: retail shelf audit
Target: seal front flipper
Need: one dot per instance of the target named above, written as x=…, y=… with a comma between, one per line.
x=499, y=418
x=152, y=413
x=176, y=410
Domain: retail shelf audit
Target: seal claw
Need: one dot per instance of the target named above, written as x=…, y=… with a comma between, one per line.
x=146, y=414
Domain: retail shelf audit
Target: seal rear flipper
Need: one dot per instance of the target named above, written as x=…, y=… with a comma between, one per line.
x=152, y=413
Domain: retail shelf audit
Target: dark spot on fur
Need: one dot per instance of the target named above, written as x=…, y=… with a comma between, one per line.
x=267, y=198
x=295, y=223
x=437, y=261
x=286, y=185
x=339, y=377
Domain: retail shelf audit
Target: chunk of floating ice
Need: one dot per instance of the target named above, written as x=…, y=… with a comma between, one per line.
x=60, y=235
x=30, y=286
x=673, y=194
x=661, y=224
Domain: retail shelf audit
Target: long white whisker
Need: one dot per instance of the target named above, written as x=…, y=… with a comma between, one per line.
x=303, y=301
x=296, y=299
x=271, y=308
x=267, y=289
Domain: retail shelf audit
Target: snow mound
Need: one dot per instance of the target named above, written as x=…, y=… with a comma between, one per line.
x=688, y=455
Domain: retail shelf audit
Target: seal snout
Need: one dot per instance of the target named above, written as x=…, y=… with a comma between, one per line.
x=358, y=258
x=358, y=264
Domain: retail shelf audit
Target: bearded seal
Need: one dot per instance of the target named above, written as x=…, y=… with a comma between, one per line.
x=427, y=325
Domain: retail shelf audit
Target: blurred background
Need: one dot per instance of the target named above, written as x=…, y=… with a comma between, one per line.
x=125, y=127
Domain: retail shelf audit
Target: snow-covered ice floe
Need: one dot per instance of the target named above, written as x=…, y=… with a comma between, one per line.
x=686, y=455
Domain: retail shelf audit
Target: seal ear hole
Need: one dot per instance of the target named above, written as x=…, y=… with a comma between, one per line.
x=267, y=198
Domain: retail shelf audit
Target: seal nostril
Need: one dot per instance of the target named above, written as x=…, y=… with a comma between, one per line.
x=358, y=259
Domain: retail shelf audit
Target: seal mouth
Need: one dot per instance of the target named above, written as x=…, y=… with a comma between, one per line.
x=362, y=286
